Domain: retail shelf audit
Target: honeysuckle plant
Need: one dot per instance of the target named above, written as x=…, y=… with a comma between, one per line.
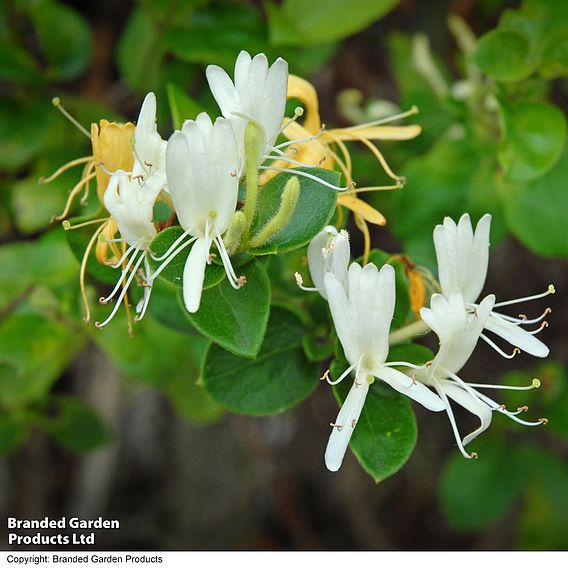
x=217, y=222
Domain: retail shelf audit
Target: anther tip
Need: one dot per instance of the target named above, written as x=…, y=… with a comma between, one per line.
x=536, y=383
x=102, y=300
x=299, y=279
x=543, y=421
x=55, y=101
x=473, y=455
x=98, y=325
x=66, y=225
x=551, y=289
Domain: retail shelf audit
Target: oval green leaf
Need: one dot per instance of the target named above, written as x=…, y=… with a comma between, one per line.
x=533, y=138
x=504, y=55
x=280, y=377
x=235, y=319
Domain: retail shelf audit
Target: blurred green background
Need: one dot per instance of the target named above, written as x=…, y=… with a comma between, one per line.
x=96, y=423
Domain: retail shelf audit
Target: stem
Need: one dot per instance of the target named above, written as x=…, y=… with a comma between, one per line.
x=418, y=327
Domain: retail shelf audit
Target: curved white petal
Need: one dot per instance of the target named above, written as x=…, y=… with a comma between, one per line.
x=342, y=315
x=328, y=252
x=345, y=425
x=517, y=336
x=222, y=88
x=471, y=403
x=457, y=329
x=194, y=274
x=413, y=389
x=177, y=170
x=462, y=256
x=149, y=148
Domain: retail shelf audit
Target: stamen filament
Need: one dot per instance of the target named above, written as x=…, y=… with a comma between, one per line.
x=453, y=423
x=56, y=101
x=74, y=192
x=300, y=283
x=171, y=247
x=83, y=270
x=171, y=257
x=306, y=175
x=123, y=257
x=64, y=168
x=550, y=290
x=412, y=111
x=68, y=227
x=118, y=284
x=343, y=375
x=235, y=282
x=516, y=350
x=123, y=292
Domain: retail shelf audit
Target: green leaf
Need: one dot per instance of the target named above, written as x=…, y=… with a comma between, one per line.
x=554, y=55
x=182, y=106
x=64, y=36
x=235, y=319
x=140, y=52
x=16, y=65
x=293, y=22
x=14, y=281
x=475, y=493
x=456, y=175
x=280, y=377
x=537, y=212
x=199, y=40
x=533, y=138
x=410, y=353
x=316, y=348
x=504, y=55
x=313, y=212
x=544, y=520
x=173, y=273
x=386, y=432
x=33, y=352
x=74, y=425
x=12, y=433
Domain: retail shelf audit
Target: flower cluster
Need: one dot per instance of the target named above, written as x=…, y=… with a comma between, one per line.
x=199, y=170
x=362, y=301
x=210, y=175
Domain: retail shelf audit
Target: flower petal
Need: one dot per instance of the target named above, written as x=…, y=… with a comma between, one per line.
x=413, y=389
x=194, y=274
x=517, y=336
x=345, y=425
x=471, y=403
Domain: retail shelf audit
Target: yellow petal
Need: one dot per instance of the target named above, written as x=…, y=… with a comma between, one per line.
x=378, y=132
x=305, y=92
x=112, y=146
x=361, y=208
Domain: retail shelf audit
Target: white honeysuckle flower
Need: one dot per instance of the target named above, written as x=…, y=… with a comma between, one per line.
x=362, y=313
x=149, y=148
x=328, y=251
x=201, y=166
x=130, y=200
x=463, y=257
x=458, y=329
x=258, y=94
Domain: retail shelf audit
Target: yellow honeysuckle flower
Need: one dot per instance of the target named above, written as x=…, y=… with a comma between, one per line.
x=327, y=147
x=118, y=149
